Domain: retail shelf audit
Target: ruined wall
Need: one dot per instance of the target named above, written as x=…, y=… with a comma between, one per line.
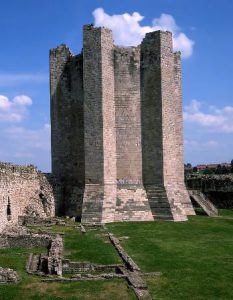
x=218, y=188
x=23, y=191
x=68, y=166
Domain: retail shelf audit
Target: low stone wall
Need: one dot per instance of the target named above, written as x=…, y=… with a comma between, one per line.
x=70, y=267
x=37, y=221
x=207, y=183
x=25, y=241
x=217, y=188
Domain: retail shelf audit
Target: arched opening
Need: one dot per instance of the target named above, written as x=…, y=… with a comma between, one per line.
x=8, y=210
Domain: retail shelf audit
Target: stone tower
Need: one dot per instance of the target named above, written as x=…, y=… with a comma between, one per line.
x=117, y=140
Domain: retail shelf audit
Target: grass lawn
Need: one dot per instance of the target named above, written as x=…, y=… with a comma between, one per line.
x=226, y=212
x=195, y=257
x=86, y=247
x=79, y=247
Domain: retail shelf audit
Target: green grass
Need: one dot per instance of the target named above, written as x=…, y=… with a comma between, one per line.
x=195, y=257
x=86, y=247
x=226, y=212
x=31, y=287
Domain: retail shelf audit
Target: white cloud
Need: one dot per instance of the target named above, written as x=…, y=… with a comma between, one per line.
x=14, y=110
x=22, y=100
x=23, y=145
x=128, y=32
x=8, y=79
x=197, y=144
x=26, y=140
x=216, y=120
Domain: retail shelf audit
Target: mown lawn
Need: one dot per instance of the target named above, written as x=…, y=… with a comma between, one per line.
x=91, y=246
x=226, y=212
x=88, y=247
x=195, y=257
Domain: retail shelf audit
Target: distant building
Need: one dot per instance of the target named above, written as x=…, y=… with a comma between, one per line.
x=212, y=166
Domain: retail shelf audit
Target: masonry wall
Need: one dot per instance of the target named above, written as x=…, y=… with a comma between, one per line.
x=132, y=203
x=68, y=166
x=99, y=124
x=23, y=191
x=161, y=123
x=128, y=115
x=218, y=188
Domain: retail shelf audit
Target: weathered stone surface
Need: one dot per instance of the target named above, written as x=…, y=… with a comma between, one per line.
x=15, y=240
x=72, y=267
x=67, y=115
x=8, y=276
x=203, y=202
x=23, y=191
x=123, y=254
x=55, y=255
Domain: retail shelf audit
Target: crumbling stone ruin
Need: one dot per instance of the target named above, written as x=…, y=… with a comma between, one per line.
x=24, y=191
x=8, y=276
x=116, y=117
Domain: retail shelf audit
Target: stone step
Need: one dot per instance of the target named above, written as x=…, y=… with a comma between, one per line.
x=162, y=210
x=204, y=202
x=162, y=217
x=157, y=196
x=160, y=206
x=159, y=199
x=156, y=193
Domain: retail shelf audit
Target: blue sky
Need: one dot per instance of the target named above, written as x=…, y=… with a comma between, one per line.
x=203, y=31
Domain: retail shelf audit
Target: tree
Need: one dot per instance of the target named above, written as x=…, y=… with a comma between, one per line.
x=218, y=170
x=195, y=169
x=224, y=170
x=208, y=171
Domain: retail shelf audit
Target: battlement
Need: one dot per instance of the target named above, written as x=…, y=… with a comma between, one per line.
x=157, y=34
x=91, y=27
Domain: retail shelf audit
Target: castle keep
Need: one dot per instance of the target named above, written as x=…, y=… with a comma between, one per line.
x=116, y=117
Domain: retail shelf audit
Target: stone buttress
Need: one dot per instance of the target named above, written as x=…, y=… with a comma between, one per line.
x=162, y=136
x=99, y=126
